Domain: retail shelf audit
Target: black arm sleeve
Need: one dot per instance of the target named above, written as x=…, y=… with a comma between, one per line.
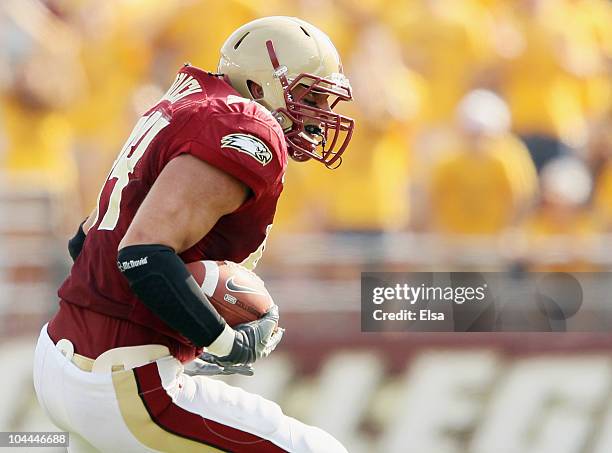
x=162, y=282
x=75, y=245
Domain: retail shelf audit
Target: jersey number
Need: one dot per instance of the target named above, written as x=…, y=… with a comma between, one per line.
x=141, y=137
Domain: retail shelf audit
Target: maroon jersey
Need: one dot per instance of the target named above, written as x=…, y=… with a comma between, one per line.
x=199, y=115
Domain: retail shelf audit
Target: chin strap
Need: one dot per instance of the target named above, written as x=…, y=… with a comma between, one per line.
x=316, y=131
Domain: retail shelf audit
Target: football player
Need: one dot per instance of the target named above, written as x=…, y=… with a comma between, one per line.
x=198, y=178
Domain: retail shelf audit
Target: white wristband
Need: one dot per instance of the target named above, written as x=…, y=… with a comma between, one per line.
x=222, y=346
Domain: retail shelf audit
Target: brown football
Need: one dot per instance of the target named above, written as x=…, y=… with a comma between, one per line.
x=238, y=294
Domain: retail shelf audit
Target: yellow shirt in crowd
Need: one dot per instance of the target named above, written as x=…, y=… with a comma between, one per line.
x=480, y=192
x=558, y=75
x=37, y=147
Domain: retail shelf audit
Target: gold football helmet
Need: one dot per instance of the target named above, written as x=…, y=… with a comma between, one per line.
x=291, y=59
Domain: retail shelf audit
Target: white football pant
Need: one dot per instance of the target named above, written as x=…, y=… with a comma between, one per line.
x=156, y=407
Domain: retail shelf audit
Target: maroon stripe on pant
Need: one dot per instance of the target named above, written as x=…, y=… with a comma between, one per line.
x=181, y=422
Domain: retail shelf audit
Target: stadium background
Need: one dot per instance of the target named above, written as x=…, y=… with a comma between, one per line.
x=484, y=142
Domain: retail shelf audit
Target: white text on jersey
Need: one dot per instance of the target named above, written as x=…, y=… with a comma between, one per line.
x=183, y=86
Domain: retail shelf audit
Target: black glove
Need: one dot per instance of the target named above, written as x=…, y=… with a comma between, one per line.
x=75, y=245
x=253, y=340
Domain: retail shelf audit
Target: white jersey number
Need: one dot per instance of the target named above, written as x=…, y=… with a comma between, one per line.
x=141, y=137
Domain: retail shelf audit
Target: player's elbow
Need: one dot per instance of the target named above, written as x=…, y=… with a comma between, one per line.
x=137, y=236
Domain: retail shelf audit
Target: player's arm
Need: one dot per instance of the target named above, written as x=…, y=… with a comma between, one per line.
x=90, y=220
x=185, y=202
x=75, y=245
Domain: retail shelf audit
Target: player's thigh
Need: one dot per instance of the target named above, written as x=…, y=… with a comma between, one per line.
x=164, y=408
x=237, y=408
x=230, y=405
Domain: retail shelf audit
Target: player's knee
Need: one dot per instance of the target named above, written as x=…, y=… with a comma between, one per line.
x=306, y=438
x=266, y=414
x=249, y=410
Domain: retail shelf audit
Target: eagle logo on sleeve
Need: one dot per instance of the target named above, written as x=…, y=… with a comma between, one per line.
x=248, y=144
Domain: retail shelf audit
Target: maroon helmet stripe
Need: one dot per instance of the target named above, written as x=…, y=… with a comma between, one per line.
x=181, y=422
x=276, y=65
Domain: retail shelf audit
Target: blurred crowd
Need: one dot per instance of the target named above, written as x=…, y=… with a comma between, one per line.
x=475, y=118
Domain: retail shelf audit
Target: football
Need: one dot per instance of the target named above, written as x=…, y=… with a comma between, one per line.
x=238, y=294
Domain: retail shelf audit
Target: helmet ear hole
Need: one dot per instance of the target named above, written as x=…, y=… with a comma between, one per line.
x=255, y=90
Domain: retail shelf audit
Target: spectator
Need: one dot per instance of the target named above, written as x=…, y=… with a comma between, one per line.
x=483, y=179
x=600, y=154
x=555, y=60
x=562, y=229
